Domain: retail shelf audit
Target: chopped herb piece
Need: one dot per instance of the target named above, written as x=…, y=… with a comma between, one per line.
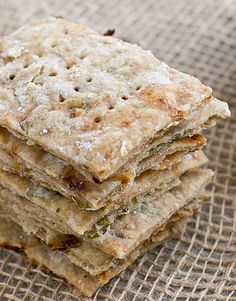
x=80, y=204
x=101, y=226
x=154, y=139
x=103, y=221
x=161, y=147
x=92, y=234
x=174, y=231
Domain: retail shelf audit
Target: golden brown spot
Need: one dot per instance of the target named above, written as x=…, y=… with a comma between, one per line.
x=5, y=137
x=104, y=276
x=75, y=112
x=208, y=99
x=158, y=97
x=199, y=139
x=125, y=124
x=71, y=107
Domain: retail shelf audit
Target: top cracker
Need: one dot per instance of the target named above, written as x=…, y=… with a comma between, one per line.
x=92, y=100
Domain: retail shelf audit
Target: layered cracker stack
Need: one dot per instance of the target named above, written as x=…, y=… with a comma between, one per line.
x=100, y=149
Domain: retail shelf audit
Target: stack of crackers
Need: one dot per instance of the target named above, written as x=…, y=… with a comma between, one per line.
x=100, y=149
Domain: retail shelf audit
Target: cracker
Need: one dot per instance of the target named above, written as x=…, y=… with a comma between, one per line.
x=127, y=231
x=34, y=163
x=78, y=220
x=98, y=112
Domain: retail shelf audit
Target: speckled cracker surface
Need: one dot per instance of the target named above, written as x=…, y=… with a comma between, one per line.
x=89, y=99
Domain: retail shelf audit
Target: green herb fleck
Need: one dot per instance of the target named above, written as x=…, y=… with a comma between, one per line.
x=92, y=234
x=103, y=224
x=80, y=204
x=161, y=147
x=174, y=231
x=154, y=139
x=100, y=227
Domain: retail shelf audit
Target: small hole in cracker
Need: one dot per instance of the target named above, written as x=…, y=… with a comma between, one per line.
x=97, y=119
x=110, y=107
x=96, y=180
x=70, y=63
x=89, y=79
x=53, y=73
x=61, y=98
x=40, y=54
x=82, y=56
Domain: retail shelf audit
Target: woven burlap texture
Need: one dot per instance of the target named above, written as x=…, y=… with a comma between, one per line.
x=198, y=37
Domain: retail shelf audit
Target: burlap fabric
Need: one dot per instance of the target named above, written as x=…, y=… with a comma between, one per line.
x=198, y=37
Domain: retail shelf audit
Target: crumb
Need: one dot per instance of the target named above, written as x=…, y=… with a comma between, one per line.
x=109, y=32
